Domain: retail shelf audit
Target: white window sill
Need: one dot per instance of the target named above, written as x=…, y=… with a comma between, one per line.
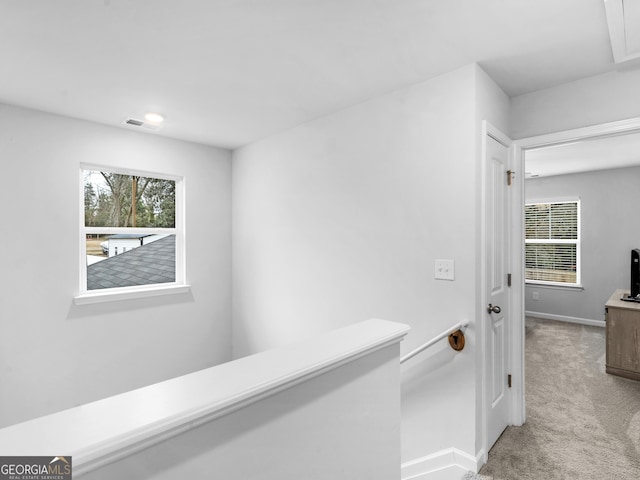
x=113, y=295
x=556, y=286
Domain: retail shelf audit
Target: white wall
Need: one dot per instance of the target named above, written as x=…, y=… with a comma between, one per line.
x=55, y=355
x=341, y=219
x=608, y=233
x=590, y=101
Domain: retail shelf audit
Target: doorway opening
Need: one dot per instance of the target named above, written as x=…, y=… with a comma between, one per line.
x=599, y=136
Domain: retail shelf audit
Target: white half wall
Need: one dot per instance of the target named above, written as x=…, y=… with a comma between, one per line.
x=341, y=219
x=608, y=233
x=325, y=408
x=56, y=355
x=341, y=425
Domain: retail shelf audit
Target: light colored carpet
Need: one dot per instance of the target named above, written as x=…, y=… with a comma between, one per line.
x=475, y=476
x=582, y=423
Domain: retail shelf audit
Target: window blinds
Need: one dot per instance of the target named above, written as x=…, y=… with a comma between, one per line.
x=552, y=242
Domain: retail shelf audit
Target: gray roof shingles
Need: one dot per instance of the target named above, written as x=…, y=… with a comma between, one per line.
x=151, y=263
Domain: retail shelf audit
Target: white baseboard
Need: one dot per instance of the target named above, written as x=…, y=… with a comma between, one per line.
x=447, y=464
x=564, y=318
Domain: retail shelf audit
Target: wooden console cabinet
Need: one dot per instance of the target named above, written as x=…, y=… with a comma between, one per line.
x=623, y=336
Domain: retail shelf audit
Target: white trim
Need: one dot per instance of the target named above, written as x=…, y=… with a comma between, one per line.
x=577, y=134
x=191, y=400
x=437, y=465
x=129, y=293
x=482, y=422
x=130, y=230
x=553, y=199
x=577, y=241
x=82, y=263
x=517, y=263
x=617, y=32
x=181, y=231
x=493, y=132
x=564, y=318
x=86, y=296
x=553, y=285
x=128, y=171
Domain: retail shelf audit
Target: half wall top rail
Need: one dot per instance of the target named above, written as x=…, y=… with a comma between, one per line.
x=457, y=327
x=108, y=430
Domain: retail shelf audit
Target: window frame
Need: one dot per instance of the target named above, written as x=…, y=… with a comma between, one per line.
x=577, y=242
x=86, y=296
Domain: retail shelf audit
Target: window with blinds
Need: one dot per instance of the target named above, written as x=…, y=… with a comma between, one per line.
x=552, y=242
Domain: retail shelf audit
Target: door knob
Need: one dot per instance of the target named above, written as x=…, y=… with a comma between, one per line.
x=493, y=309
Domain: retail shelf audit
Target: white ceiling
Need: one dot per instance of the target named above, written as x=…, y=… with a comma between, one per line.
x=229, y=72
x=588, y=155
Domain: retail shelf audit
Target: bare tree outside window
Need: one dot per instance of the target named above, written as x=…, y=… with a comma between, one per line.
x=129, y=229
x=117, y=200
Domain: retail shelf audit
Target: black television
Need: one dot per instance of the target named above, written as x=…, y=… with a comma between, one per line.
x=634, y=290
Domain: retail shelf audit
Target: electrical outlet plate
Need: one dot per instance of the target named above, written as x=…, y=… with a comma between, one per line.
x=444, y=269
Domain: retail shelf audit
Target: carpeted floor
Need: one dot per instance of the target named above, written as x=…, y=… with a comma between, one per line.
x=582, y=423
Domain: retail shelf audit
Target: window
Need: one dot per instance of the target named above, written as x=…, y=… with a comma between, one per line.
x=552, y=243
x=131, y=233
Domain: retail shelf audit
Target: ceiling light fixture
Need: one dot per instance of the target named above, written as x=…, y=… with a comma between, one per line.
x=153, y=117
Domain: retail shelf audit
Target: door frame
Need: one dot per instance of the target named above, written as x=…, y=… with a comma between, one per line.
x=517, y=201
x=489, y=130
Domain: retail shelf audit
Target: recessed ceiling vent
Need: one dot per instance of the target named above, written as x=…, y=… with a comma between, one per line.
x=623, y=19
x=135, y=123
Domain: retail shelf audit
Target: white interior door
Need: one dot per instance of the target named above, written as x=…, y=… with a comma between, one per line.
x=496, y=311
